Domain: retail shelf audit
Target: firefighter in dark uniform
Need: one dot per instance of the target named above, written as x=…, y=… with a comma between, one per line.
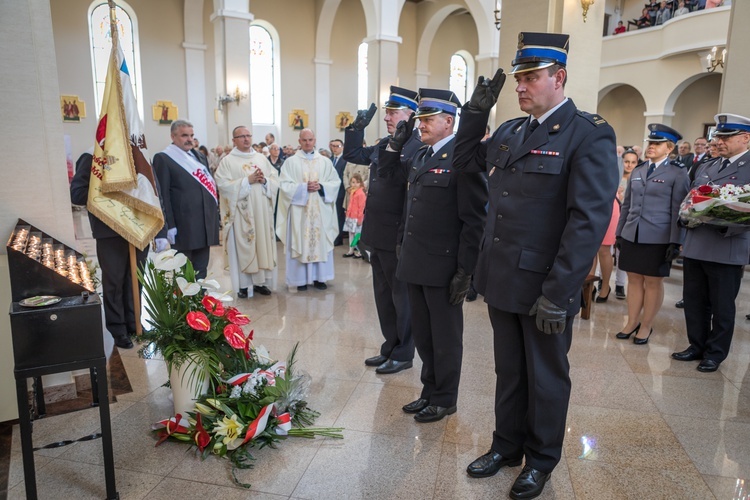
x=552, y=178
x=439, y=243
x=384, y=209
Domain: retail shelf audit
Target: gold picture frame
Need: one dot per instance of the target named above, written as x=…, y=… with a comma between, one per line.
x=72, y=108
x=164, y=112
x=343, y=120
x=298, y=119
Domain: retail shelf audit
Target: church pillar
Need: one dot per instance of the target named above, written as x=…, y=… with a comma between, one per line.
x=195, y=70
x=382, y=72
x=322, y=101
x=232, y=55
x=733, y=97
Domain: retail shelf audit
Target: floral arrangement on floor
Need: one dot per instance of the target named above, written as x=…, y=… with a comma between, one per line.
x=253, y=400
x=724, y=206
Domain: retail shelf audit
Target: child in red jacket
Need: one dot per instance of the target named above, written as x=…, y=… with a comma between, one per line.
x=355, y=214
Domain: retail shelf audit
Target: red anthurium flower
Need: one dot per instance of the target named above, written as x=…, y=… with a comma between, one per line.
x=236, y=317
x=705, y=189
x=201, y=437
x=235, y=336
x=250, y=337
x=213, y=305
x=198, y=321
x=247, y=348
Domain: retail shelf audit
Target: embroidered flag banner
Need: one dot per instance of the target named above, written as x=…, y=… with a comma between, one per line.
x=122, y=189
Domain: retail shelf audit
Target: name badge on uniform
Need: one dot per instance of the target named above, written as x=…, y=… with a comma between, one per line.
x=637, y=179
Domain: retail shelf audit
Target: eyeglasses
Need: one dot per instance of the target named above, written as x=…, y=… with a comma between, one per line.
x=242, y=136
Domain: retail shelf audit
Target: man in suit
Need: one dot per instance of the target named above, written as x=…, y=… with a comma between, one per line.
x=552, y=178
x=714, y=257
x=384, y=208
x=684, y=155
x=190, y=197
x=438, y=246
x=112, y=252
x=339, y=164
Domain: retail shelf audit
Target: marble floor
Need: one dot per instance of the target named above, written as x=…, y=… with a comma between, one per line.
x=640, y=425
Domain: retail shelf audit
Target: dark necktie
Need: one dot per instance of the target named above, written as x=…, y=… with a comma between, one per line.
x=724, y=165
x=530, y=129
x=428, y=154
x=651, y=169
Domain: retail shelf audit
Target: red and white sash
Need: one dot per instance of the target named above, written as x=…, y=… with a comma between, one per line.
x=192, y=166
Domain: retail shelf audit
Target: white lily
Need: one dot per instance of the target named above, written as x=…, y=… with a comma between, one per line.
x=224, y=297
x=169, y=260
x=188, y=289
x=209, y=284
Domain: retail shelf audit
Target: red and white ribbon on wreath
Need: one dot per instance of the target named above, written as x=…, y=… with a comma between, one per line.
x=285, y=423
x=174, y=424
x=258, y=425
x=239, y=379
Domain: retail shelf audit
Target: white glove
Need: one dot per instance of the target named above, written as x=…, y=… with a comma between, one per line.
x=160, y=244
x=171, y=235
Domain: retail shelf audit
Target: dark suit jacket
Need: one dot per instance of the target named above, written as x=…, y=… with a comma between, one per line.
x=340, y=166
x=187, y=205
x=443, y=216
x=385, y=195
x=549, y=209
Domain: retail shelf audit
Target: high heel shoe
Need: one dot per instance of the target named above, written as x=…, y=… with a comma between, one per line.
x=638, y=341
x=623, y=335
x=603, y=298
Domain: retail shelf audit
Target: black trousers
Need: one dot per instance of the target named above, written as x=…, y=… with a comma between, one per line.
x=438, y=329
x=709, y=292
x=392, y=302
x=114, y=260
x=341, y=215
x=199, y=258
x=533, y=389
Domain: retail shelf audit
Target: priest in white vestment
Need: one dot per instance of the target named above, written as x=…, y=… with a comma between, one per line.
x=248, y=185
x=306, y=221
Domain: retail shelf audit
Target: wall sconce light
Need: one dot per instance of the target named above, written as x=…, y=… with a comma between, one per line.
x=585, y=4
x=497, y=14
x=713, y=62
x=236, y=96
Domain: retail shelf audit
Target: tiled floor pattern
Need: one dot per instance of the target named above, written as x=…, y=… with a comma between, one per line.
x=640, y=425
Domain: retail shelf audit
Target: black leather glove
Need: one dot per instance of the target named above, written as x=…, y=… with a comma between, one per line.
x=549, y=317
x=363, y=117
x=673, y=251
x=459, y=286
x=403, y=132
x=486, y=92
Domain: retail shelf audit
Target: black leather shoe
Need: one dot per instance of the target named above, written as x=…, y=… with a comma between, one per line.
x=488, y=464
x=623, y=335
x=416, y=406
x=319, y=285
x=639, y=341
x=708, y=366
x=263, y=290
x=688, y=354
x=680, y=304
x=620, y=292
x=242, y=294
x=302, y=288
x=603, y=298
x=529, y=483
x=376, y=360
x=433, y=413
x=123, y=342
x=393, y=366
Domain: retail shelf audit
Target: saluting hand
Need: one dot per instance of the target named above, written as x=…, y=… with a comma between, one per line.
x=486, y=92
x=404, y=129
x=363, y=117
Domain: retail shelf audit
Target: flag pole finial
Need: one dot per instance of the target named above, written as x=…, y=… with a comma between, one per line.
x=113, y=21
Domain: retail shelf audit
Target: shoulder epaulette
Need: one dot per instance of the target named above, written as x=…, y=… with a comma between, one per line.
x=593, y=118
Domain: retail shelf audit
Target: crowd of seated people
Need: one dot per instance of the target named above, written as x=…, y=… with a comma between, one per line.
x=656, y=13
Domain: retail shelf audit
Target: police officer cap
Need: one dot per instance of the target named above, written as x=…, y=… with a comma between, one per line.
x=540, y=50
x=436, y=101
x=662, y=133
x=401, y=98
x=727, y=124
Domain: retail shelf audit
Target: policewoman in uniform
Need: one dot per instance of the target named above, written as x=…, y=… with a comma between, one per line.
x=439, y=242
x=384, y=209
x=713, y=257
x=552, y=177
x=648, y=232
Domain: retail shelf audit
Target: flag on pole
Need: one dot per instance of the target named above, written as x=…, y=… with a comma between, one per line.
x=122, y=190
